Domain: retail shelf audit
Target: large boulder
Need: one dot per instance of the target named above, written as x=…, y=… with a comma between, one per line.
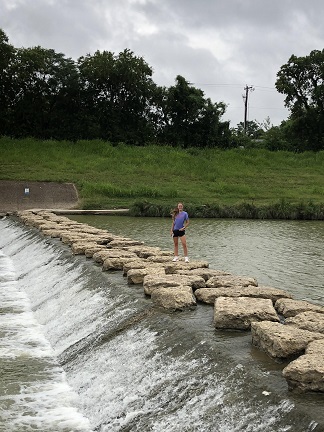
x=143, y=251
x=48, y=225
x=281, y=341
x=114, y=262
x=135, y=263
x=312, y=321
x=289, y=308
x=102, y=255
x=33, y=220
x=240, y=312
x=173, y=267
x=178, y=265
x=92, y=249
x=151, y=283
x=204, y=272
x=120, y=243
x=94, y=231
x=70, y=237
x=307, y=372
x=79, y=247
x=160, y=258
x=230, y=281
x=209, y=295
x=174, y=298
x=54, y=233
x=136, y=276
x=316, y=347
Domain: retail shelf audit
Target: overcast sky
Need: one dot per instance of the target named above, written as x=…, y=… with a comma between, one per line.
x=218, y=45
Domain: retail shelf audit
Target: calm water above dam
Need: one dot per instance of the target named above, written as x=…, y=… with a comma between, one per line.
x=80, y=350
x=282, y=254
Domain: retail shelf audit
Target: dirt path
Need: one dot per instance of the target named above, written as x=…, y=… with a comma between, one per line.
x=23, y=195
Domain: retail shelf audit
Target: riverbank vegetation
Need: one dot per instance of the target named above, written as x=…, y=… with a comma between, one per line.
x=253, y=183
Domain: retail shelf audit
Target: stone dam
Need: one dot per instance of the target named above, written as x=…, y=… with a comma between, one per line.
x=284, y=328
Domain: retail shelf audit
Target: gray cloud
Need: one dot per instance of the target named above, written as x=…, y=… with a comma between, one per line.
x=218, y=45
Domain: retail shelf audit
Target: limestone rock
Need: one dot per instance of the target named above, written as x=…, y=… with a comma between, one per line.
x=119, y=243
x=307, y=372
x=86, y=229
x=79, y=248
x=176, y=298
x=98, y=238
x=160, y=258
x=316, y=347
x=230, y=281
x=312, y=321
x=135, y=263
x=173, y=267
x=209, y=295
x=144, y=251
x=240, y=312
x=151, y=283
x=281, y=341
x=47, y=225
x=102, y=255
x=136, y=276
x=114, y=263
x=204, y=272
x=54, y=233
x=289, y=308
x=34, y=221
x=91, y=250
x=71, y=237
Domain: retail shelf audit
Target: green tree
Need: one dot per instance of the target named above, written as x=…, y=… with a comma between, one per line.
x=7, y=54
x=44, y=102
x=301, y=79
x=118, y=92
x=279, y=138
x=190, y=120
x=253, y=129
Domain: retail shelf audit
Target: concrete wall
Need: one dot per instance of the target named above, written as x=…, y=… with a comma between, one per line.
x=23, y=195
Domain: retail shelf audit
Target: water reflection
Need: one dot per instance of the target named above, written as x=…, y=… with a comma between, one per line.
x=281, y=254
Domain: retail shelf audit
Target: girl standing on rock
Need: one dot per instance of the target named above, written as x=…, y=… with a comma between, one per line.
x=180, y=221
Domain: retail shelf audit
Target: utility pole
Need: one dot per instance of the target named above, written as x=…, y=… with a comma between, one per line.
x=245, y=98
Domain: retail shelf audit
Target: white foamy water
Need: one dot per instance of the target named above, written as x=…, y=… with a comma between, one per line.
x=34, y=394
x=142, y=388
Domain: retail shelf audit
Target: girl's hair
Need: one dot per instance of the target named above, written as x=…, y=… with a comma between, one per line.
x=175, y=211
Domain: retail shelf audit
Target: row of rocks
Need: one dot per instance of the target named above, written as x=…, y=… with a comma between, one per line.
x=282, y=327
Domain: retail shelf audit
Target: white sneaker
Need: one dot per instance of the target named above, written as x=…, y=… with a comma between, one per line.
x=186, y=259
x=175, y=259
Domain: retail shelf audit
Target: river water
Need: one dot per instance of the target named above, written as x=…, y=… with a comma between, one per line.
x=80, y=350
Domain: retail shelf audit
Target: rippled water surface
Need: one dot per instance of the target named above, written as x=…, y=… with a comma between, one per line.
x=281, y=254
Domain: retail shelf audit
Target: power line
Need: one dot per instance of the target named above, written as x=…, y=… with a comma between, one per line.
x=233, y=85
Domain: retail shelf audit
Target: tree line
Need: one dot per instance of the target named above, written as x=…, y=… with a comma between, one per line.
x=45, y=95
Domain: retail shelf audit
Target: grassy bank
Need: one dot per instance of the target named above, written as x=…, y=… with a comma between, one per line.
x=210, y=181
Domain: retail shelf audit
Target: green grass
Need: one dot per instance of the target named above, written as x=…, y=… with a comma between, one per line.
x=109, y=176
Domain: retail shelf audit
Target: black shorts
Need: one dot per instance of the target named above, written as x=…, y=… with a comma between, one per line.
x=178, y=233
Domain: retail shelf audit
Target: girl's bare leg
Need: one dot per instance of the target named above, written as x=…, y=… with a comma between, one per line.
x=176, y=247
x=184, y=245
